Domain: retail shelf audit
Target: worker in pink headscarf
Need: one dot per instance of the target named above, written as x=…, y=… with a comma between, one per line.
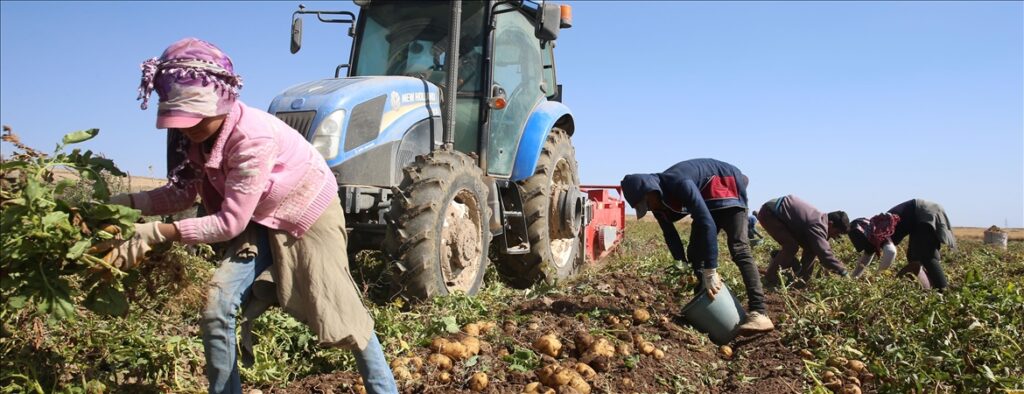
x=270, y=197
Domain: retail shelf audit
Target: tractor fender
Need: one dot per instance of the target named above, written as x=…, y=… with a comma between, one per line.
x=546, y=115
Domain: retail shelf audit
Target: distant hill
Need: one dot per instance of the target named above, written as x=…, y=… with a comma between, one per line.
x=131, y=183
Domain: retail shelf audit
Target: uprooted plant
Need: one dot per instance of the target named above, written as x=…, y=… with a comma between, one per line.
x=51, y=242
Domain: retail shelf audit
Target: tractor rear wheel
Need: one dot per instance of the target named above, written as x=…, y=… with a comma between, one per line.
x=437, y=228
x=554, y=241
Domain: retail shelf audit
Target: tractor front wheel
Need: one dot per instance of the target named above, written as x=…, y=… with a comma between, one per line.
x=437, y=229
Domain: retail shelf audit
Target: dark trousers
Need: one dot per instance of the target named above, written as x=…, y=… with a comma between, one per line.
x=923, y=251
x=785, y=258
x=734, y=222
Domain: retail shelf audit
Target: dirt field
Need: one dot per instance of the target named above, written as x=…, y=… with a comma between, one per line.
x=601, y=303
x=978, y=233
x=761, y=364
x=800, y=356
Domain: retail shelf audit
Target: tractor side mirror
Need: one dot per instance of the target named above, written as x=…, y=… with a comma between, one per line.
x=296, y=43
x=550, y=20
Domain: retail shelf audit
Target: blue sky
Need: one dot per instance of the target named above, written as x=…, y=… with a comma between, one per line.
x=850, y=105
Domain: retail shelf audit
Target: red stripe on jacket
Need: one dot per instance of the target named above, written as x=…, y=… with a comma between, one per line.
x=719, y=187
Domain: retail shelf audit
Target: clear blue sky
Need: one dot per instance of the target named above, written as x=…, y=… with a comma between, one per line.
x=850, y=105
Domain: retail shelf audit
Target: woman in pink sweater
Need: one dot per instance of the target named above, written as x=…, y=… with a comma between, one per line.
x=270, y=196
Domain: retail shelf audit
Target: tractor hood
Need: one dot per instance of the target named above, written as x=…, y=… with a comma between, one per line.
x=345, y=117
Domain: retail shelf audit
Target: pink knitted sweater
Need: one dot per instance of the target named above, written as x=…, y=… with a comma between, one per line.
x=259, y=170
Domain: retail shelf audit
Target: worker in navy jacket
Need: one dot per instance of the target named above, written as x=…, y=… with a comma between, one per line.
x=714, y=193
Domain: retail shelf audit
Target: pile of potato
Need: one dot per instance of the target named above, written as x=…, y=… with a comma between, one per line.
x=565, y=379
x=445, y=354
x=594, y=354
x=568, y=367
x=845, y=376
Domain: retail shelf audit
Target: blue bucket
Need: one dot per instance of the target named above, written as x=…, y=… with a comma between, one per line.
x=719, y=318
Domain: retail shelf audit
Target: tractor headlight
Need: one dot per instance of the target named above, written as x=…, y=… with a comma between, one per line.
x=328, y=135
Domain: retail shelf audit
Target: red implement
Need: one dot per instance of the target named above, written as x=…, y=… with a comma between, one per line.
x=607, y=221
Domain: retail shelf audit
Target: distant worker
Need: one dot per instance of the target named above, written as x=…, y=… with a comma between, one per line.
x=928, y=227
x=755, y=237
x=715, y=194
x=270, y=197
x=795, y=224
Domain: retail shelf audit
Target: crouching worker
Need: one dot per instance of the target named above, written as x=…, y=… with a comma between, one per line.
x=715, y=194
x=926, y=224
x=795, y=224
x=270, y=195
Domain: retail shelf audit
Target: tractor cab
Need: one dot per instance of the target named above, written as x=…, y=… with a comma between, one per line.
x=505, y=62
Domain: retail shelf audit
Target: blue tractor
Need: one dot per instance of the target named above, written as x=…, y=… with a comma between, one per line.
x=442, y=143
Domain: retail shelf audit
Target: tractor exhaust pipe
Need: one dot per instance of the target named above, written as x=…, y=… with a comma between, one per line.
x=452, y=79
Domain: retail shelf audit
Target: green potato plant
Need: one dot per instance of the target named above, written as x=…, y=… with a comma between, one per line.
x=49, y=241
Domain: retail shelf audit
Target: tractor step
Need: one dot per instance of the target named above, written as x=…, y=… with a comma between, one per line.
x=514, y=237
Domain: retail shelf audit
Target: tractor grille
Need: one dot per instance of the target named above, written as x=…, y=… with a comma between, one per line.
x=299, y=120
x=365, y=122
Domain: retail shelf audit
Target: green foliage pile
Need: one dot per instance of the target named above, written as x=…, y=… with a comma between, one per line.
x=46, y=237
x=65, y=320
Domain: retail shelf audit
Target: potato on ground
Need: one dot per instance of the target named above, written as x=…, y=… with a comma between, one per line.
x=440, y=361
x=600, y=355
x=554, y=375
x=472, y=345
x=647, y=348
x=402, y=373
x=602, y=347
x=455, y=350
x=478, y=382
x=726, y=351
x=585, y=371
x=399, y=362
x=548, y=344
x=437, y=343
x=641, y=315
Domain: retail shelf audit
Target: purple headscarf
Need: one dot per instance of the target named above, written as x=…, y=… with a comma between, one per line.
x=194, y=80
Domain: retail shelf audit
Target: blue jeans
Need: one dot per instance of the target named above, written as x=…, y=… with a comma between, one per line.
x=230, y=285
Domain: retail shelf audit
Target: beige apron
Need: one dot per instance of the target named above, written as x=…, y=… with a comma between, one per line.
x=310, y=280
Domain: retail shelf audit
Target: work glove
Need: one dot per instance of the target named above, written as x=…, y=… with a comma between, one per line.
x=121, y=199
x=712, y=282
x=130, y=252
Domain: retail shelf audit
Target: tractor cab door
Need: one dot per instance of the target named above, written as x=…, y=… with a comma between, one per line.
x=518, y=73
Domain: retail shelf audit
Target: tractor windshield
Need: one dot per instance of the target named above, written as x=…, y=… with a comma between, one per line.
x=411, y=38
